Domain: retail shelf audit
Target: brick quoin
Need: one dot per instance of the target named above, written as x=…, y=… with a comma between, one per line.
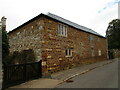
x=41, y=35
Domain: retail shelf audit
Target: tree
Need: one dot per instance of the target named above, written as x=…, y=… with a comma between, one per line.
x=113, y=34
x=5, y=45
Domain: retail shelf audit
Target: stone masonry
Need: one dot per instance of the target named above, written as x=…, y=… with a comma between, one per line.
x=41, y=35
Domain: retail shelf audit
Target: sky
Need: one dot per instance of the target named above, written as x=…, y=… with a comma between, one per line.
x=93, y=14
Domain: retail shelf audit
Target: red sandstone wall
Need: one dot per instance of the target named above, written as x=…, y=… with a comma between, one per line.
x=50, y=47
x=54, y=47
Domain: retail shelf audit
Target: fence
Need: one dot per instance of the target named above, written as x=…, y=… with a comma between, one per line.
x=16, y=74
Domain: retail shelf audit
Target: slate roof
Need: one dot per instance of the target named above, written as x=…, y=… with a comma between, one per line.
x=60, y=19
x=72, y=24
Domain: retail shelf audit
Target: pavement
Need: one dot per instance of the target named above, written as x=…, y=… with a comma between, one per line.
x=67, y=74
x=39, y=83
x=62, y=76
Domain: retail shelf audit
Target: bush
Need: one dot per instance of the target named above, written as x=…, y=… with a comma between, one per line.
x=25, y=56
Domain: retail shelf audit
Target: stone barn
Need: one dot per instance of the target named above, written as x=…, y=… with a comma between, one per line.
x=59, y=43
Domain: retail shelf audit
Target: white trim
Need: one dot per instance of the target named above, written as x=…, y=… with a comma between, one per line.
x=99, y=52
x=62, y=30
x=69, y=52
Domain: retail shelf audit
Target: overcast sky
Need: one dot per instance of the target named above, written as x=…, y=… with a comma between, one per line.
x=94, y=14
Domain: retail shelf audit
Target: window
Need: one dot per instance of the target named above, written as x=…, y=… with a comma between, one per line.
x=68, y=52
x=92, y=52
x=99, y=52
x=98, y=39
x=62, y=30
x=92, y=45
x=91, y=38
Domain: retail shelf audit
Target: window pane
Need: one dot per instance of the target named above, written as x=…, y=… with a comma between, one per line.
x=59, y=29
x=62, y=30
x=99, y=52
x=66, y=51
x=65, y=31
x=92, y=51
x=91, y=37
x=70, y=52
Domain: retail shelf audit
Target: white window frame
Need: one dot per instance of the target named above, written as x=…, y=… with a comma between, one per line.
x=99, y=52
x=92, y=52
x=68, y=52
x=62, y=30
x=59, y=29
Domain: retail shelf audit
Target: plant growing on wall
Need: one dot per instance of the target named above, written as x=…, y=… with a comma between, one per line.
x=22, y=57
x=5, y=45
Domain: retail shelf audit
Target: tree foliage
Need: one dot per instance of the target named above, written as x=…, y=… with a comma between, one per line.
x=5, y=45
x=21, y=57
x=113, y=34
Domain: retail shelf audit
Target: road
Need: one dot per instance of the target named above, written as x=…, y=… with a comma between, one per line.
x=102, y=77
x=0, y=85
x=0, y=75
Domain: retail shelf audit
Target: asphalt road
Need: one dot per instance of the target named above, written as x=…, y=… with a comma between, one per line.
x=0, y=75
x=102, y=77
x=0, y=85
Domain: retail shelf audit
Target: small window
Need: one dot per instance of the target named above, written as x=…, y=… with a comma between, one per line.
x=62, y=30
x=68, y=52
x=91, y=38
x=59, y=32
x=92, y=52
x=98, y=39
x=99, y=52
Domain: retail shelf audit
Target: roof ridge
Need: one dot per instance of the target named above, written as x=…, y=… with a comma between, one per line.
x=72, y=23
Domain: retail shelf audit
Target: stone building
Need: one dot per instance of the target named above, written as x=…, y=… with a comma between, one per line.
x=58, y=42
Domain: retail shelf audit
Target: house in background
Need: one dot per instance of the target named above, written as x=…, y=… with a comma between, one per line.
x=58, y=42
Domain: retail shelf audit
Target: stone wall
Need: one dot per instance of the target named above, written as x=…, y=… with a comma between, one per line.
x=55, y=45
x=41, y=35
x=27, y=37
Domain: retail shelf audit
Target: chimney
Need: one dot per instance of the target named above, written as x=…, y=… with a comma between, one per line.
x=3, y=21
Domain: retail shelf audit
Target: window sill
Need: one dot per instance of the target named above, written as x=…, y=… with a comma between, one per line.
x=62, y=35
x=68, y=56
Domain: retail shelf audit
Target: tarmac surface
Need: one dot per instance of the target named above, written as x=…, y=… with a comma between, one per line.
x=102, y=77
x=62, y=76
